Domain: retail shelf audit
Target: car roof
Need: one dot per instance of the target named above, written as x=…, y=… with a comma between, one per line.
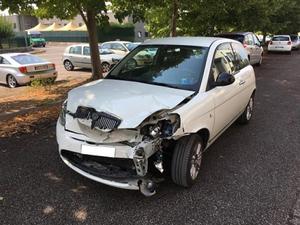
x=235, y=33
x=187, y=41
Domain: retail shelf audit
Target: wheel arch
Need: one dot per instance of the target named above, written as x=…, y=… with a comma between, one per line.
x=205, y=134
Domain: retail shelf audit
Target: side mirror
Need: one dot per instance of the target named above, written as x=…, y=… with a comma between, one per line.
x=224, y=79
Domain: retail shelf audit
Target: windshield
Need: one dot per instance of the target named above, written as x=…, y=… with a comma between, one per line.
x=280, y=38
x=131, y=46
x=35, y=35
x=294, y=37
x=27, y=59
x=172, y=66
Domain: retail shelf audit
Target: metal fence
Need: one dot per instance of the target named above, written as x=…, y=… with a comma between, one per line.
x=66, y=36
x=18, y=41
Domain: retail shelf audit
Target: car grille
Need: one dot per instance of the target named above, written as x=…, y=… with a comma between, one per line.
x=101, y=120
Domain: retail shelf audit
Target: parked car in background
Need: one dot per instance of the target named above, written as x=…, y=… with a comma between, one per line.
x=79, y=56
x=295, y=41
x=21, y=68
x=280, y=43
x=250, y=42
x=36, y=39
x=119, y=47
x=128, y=129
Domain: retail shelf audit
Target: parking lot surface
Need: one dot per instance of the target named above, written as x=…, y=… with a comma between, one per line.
x=249, y=176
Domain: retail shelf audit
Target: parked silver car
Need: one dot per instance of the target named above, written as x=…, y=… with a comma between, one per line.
x=21, y=68
x=79, y=56
x=250, y=42
x=295, y=41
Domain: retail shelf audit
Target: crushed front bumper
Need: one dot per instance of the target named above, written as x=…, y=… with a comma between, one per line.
x=118, y=170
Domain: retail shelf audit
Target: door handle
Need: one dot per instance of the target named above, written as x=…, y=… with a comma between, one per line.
x=242, y=82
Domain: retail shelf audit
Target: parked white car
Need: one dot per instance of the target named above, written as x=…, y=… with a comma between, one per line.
x=21, y=68
x=280, y=43
x=295, y=41
x=79, y=56
x=145, y=118
x=121, y=48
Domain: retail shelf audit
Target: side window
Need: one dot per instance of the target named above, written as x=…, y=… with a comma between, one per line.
x=117, y=46
x=86, y=50
x=106, y=46
x=249, y=40
x=256, y=41
x=223, y=61
x=240, y=56
x=76, y=50
x=3, y=61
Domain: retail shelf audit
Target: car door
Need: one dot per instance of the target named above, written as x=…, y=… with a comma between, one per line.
x=75, y=55
x=86, y=57
x=226, y=98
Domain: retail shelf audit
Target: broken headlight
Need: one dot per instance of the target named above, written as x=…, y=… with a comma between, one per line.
x=164, y=127
x=62, y=114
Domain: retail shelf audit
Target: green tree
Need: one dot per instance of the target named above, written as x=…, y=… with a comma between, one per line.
x=6, y=30
x=93, y=12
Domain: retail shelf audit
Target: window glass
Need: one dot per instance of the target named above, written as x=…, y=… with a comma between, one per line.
x=236, y=37
x=27, y=59
x=76, y=50
x=280, y=38
x=117, y=46
x=241, y=56
x=249, y=39
x=86, y=50
x=223, y=61
x=3, y=61
x=256, y=41
x=294, y=37
x=106, y=46
x=171, y=66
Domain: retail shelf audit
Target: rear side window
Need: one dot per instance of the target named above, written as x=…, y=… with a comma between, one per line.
x=249, y=39
x=106, y=46
x=280, y=38
x=27, y=59
x=76, y=50
x=3, y=61
x=240, y=56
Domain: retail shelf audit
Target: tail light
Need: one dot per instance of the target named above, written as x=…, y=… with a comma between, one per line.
x=289, y=43
x=270, y=42
x=245, y=45
x=23, y=69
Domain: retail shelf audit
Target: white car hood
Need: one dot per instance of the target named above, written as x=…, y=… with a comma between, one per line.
x=132, y=102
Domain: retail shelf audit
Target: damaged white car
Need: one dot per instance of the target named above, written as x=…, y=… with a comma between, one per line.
x=148, y=120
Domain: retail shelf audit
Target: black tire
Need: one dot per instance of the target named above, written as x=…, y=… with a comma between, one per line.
x=248, y=112
x=105, y=67
x=11, y=81
x=68, y=65
x=187, y=159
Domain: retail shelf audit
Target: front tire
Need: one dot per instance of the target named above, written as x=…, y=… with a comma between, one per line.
x=11, y=81
x=248, y=112
x=105, y=67
x=186, y=160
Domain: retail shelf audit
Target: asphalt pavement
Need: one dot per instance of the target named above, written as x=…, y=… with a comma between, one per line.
x=249, y=176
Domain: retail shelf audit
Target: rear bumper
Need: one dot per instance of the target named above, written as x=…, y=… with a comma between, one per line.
x=27, y=78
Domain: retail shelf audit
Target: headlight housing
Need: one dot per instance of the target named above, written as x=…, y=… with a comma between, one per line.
x=62, y=114
x=164, y=127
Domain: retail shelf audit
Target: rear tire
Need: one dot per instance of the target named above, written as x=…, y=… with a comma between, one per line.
x=186, y=160
x=248, y=112
x=11, y=81
x=68, y=65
